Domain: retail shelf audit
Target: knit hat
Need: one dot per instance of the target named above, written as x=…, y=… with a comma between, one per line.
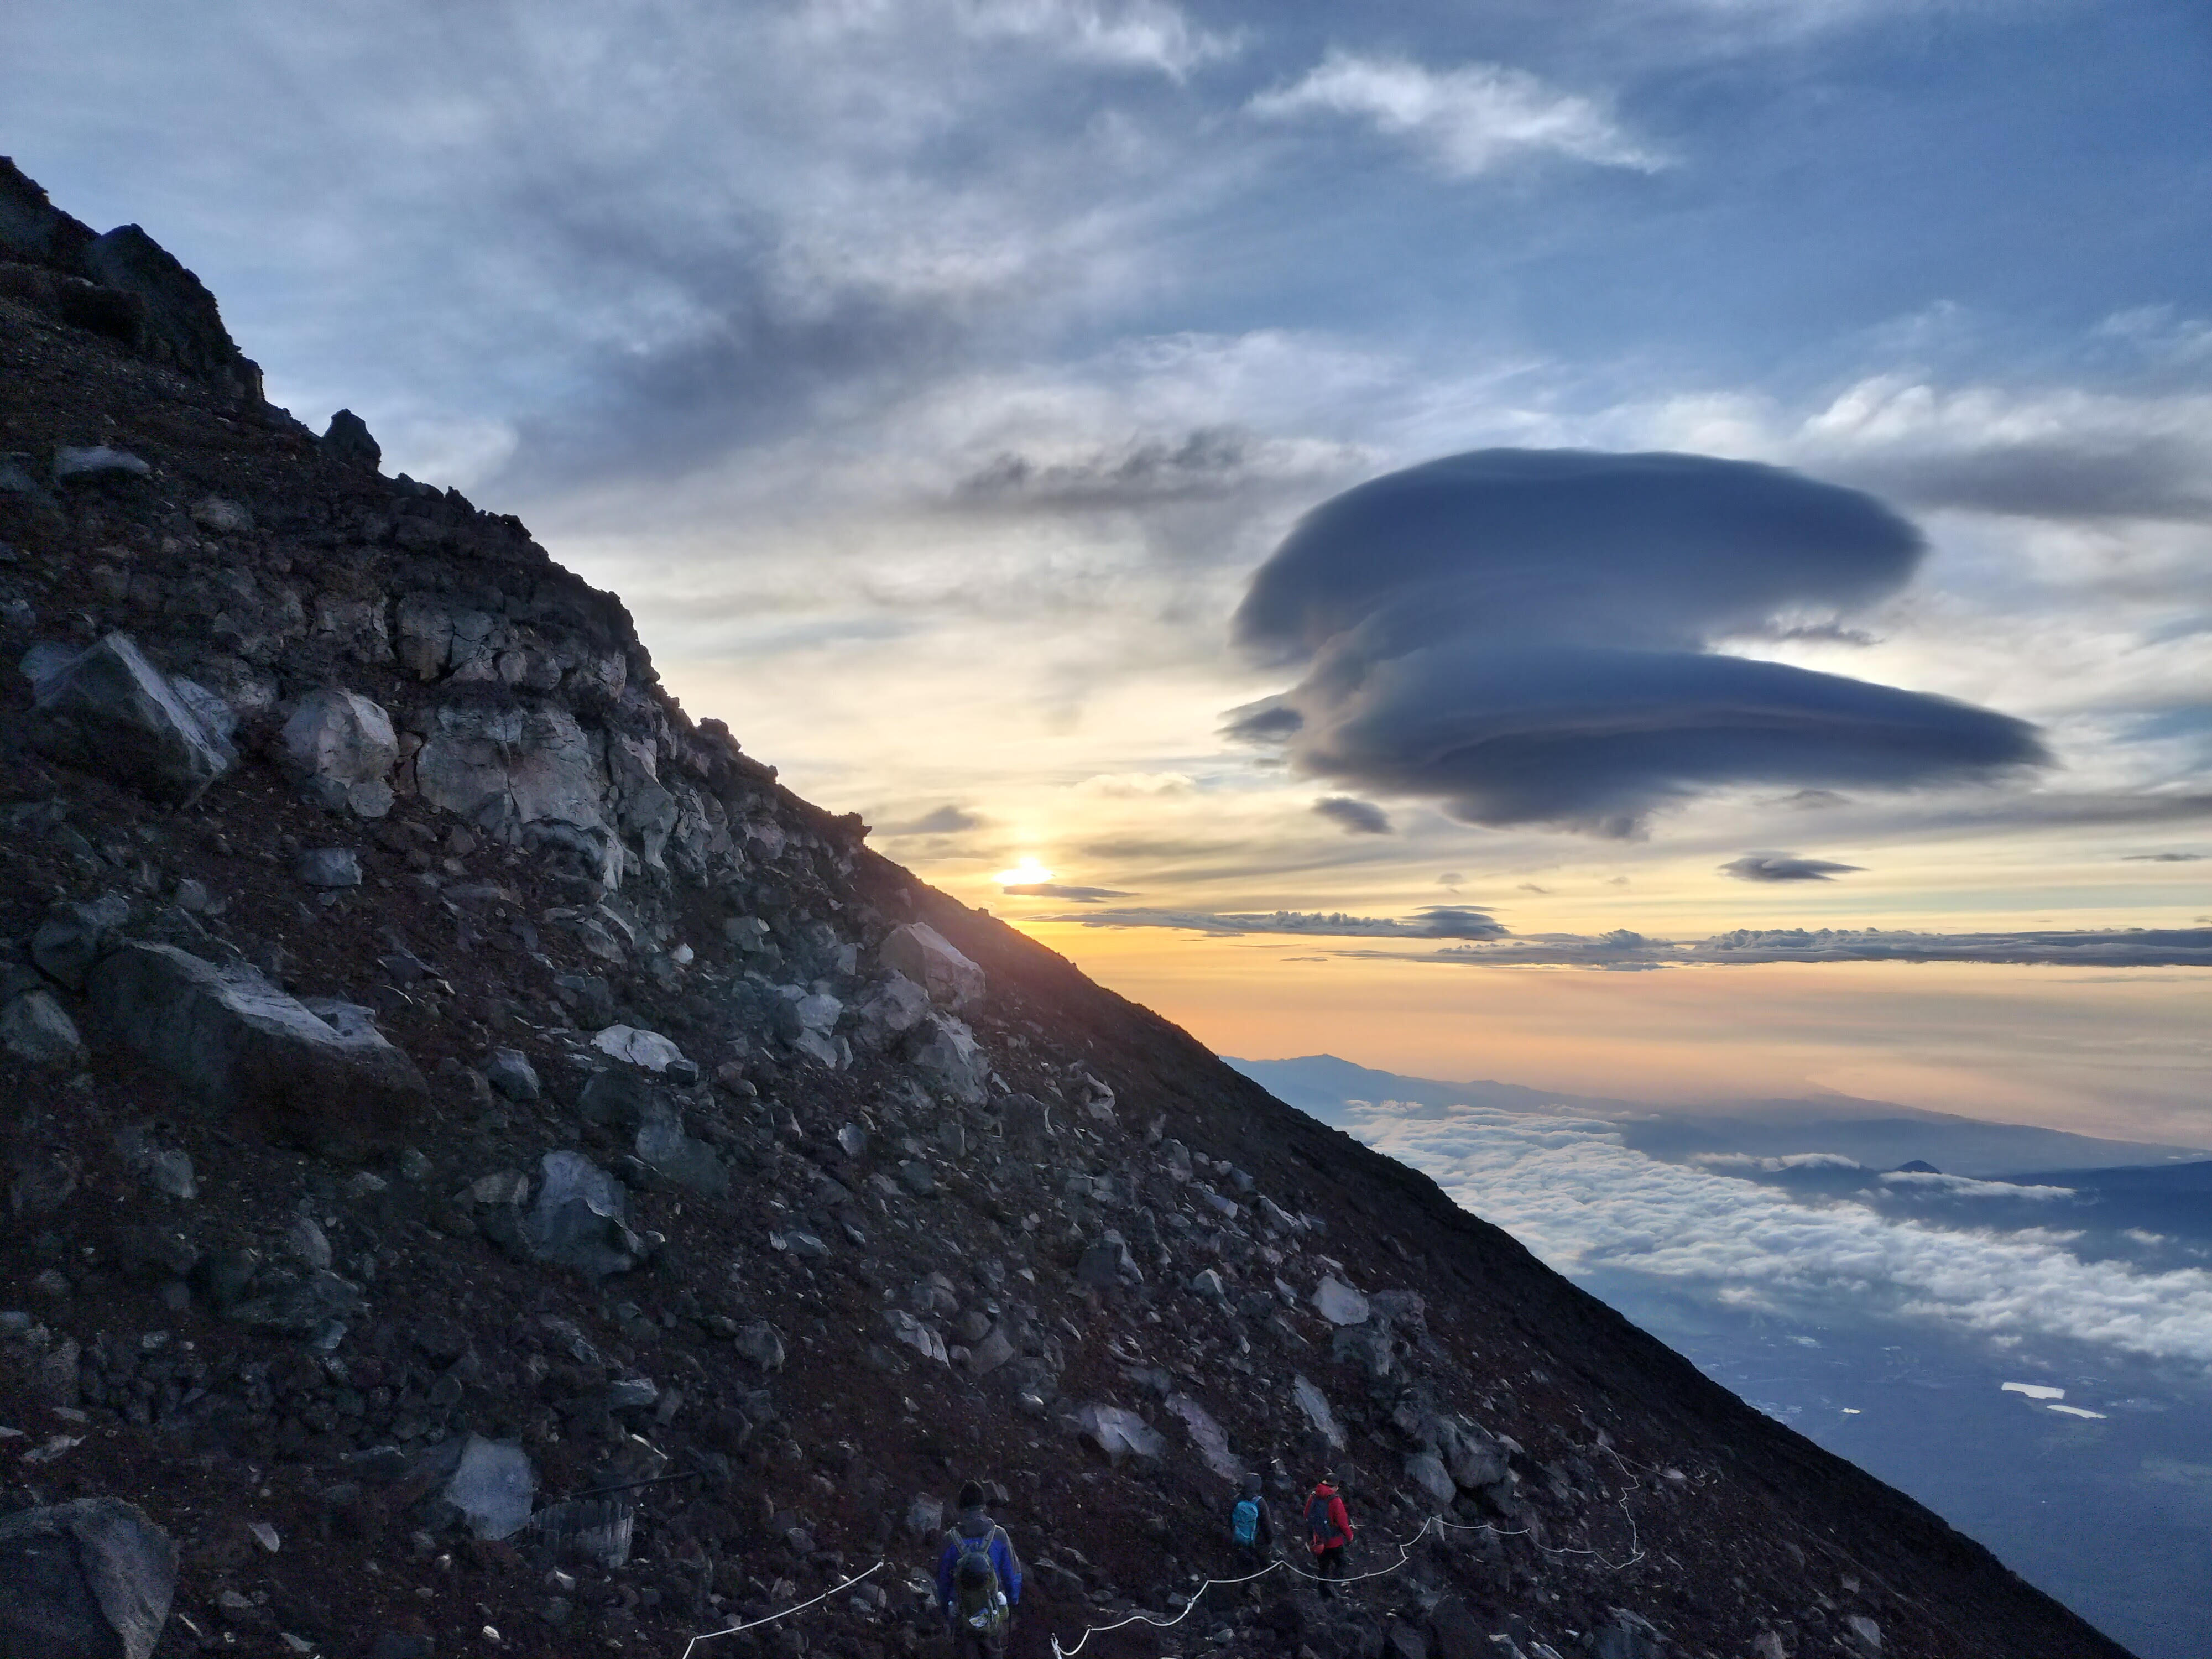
x=971, y=1495
x=1251, y=1486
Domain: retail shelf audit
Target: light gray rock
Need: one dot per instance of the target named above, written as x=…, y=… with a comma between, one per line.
x=916, y=1178
x=504, y=769
x=1367, y=1346
x=511, y=1073
x=1475, y=1460
x=165, y=1168
x=691, y=1164
x=493, y=1485
x=330, y=867
x=993, y=1349
x=1208, y=1436
x=342, y=749
x=925, y=1518
x=1426, y=1470
x=1208, y=1283
x=932, y=961
x=1338, y=1303
x=108, y=709
x=946, y=1054
x=1866, y=1634
x=74, y=464
x=648, y=1051
x=817, y=1011
x=37, y=1029
x=580, y=1220
x=1120, y=1433
x=920, y=1337
x=759, y=1342
x=1107, y=1264
x=313, y=1073
x=1314, y=1404
x=298, y=1306
x=92, y=1577
x=892, y=1005
x=225, y=517
x=309, y=1245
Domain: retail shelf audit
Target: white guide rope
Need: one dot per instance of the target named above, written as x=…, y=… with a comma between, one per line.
x=771, y=1619
x=1405, y=1554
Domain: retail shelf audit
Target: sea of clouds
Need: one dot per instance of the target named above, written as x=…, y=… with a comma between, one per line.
x=1582, y=1201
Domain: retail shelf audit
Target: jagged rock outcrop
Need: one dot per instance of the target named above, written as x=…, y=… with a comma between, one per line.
x=84, y=1580
x=606, y=1195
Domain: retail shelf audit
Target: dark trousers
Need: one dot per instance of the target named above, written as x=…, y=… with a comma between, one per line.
x=1328, y=1566
x=978, y=1644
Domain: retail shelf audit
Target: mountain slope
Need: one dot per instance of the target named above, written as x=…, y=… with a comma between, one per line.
x=452, y=1084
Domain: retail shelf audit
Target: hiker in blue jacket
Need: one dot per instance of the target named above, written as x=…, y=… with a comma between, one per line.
x=979, y=1580
x=1252, y=1528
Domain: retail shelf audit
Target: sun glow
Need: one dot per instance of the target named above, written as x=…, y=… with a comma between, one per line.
x=1027, y=873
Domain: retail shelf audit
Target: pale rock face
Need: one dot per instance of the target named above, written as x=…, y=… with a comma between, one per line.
x=932, y=961
x=492, y=1486
x=504, y=768
x=1426, y=1471
x=1314, y=1404
x=36, y=1028
x=1338, y=1303
x=109, y=709
x=342, y=747
x=318, y=1072
x=946, y=1052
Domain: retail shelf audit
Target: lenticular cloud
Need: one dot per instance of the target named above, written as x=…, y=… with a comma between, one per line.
x=1527, y=636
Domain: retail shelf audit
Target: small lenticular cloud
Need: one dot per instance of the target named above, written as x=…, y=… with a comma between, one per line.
x=1354, y=817
x=1785, y=867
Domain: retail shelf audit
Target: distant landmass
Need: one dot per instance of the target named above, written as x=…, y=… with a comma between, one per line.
x=1879, y=1134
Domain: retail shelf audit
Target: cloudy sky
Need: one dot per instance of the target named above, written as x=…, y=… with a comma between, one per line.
x=1442, y=533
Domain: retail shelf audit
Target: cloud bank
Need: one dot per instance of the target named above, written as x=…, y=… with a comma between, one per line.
x=1432, y=922
x=1526, y=636
x=1568, y=1189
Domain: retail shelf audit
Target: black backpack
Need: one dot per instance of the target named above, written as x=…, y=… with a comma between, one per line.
x=1319, y=1528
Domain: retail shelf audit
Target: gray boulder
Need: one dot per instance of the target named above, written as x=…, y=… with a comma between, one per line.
x=108, y=709
x=492, y=1486
x=892, y=1005
x=580, y=1220
x=1426, y=1470
x=1120, y=1433
x=83, y=463
x=90, y=1579
x=946, y=1054
x=758, y=1342
x=689, y=1164
x=331, y=868
x=511, y=1073
x=37, y=1029
x=74, y=935
x=1338, y=1303
x=316, y=1074
x=342, y=749
x=932, y=961
x=504, y=768
x=992, y=1351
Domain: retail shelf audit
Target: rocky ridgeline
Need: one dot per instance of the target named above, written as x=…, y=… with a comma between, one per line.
x=489, y=1170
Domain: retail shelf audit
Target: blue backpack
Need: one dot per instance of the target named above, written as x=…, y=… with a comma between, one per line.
x=1244, y=1521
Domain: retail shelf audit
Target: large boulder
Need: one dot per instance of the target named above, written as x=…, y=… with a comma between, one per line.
x=342, y=748
x=107, y=709
x=946, y=1054
x=580, y=1220
x=316, y=1074
x=932, y=961
x=504, y=768
x=36, y=1028
x=90, y=1579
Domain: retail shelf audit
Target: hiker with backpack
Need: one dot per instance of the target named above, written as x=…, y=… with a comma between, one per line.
x=1329, y=1529
x=979, y=1580
x=1252, y=1528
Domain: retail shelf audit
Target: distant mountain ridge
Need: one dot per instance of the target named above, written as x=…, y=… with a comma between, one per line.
x=1878, y=1134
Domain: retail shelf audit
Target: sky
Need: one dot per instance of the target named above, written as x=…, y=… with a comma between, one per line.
x=1659, y=548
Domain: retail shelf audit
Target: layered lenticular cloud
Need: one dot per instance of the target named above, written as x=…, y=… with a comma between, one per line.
x=1570, y=1190
x=1526, y=636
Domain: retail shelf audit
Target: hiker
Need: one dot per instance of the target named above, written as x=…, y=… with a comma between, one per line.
x=979, y=1580
x=1252, y=1528
x=1329, y=1529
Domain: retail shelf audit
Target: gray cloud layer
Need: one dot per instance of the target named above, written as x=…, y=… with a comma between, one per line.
x=1432, y=922
x=1358, y=818
x=1523, y=635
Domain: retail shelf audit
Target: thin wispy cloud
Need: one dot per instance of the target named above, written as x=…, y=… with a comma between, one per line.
x=1785, y=867
x=1471, y=119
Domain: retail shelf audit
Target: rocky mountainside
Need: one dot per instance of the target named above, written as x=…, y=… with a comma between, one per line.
x=488, y=1170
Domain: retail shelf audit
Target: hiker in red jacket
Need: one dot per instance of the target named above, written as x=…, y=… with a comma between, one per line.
x=1329, y=1529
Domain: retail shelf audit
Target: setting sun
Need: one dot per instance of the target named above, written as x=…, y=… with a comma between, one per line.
x=1027, y=873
